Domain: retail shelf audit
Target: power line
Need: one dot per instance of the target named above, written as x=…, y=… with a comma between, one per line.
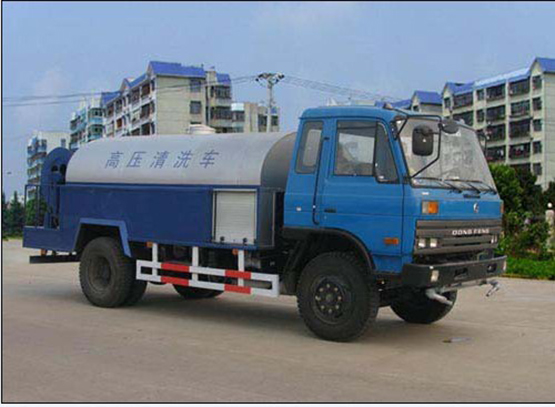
x=334, y=89
x=78, y=97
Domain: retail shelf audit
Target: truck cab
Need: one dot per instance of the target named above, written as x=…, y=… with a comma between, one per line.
x=411, y=194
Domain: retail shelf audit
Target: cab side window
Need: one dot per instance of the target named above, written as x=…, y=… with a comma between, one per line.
x=309, y=148
x=362, y=149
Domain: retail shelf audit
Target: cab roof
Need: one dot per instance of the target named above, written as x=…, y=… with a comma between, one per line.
x=358, y=111
x=349, y=111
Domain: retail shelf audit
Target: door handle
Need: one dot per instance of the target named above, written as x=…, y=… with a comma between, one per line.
x=330, y=210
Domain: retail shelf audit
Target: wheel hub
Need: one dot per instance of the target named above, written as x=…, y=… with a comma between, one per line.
x=329, y=300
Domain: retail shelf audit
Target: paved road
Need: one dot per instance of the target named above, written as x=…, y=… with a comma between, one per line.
x=56, y=347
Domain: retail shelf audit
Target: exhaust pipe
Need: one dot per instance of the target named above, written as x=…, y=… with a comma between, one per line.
x=432, y=294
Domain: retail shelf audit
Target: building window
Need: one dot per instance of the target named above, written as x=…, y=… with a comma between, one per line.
x=520, y=151
x=496, y=92
x=537, y=168
x=462, y=100
x=496, y=153
x=221, y=92
x=63, y=143
x=275, y=120
x=537, y=82
x=537, y=147
x=520, y=87
x=447, y=103
x=220, y=113
x=538, y=125
x=521, y=167
x=520, y=108
x=496, y=133
x=238, y=116
x=495, y=113
x=480, y=94
x=537, y=103
x=195, y=85
x=195, y=108
x=520, y=129
x=466, y=117
x=480, y=115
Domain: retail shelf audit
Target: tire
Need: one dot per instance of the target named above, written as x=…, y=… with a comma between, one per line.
x=193, y=293
x=419, y=309
x=137, y=291
x=336, y=298
x=106, y=275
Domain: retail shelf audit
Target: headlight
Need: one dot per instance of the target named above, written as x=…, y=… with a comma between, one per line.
x=433, y=243
x=430, y=207
x=434, y=276
x=421, y=243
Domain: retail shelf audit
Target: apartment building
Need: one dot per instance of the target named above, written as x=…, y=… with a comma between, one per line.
x=516, y=111
x=248, y=117
x=167, y=99
x=86, y=123
x=422, y=101
x=39, y=145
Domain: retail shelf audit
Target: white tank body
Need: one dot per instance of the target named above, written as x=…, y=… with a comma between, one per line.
x=254, y=159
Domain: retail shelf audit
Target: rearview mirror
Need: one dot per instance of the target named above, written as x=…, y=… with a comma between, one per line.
x=423, y=140
x=449, y=126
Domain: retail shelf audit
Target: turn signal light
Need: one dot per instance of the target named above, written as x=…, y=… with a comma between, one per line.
x=430, y=207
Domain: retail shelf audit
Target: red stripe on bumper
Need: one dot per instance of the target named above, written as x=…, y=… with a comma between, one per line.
x=238, y=274
x=175, y=267
x=237, y=289
x=175, y=280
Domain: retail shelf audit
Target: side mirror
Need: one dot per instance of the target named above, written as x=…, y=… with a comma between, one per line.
x=449, y=126
x=423, y=140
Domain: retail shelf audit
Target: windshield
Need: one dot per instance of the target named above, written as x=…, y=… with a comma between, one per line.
x=461, y=163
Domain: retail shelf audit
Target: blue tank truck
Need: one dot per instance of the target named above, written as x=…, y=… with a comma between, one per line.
x=362, y=208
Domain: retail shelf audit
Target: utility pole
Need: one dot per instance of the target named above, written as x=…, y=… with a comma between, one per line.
x=270, y=79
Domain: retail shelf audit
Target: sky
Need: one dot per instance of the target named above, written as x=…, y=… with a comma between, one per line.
x=387, y=48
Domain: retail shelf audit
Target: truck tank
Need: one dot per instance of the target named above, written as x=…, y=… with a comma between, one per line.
x=234, y=159
x=213, y=189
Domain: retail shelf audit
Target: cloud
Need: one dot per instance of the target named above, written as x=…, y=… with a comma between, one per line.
x=305, y=16
x=40, y=117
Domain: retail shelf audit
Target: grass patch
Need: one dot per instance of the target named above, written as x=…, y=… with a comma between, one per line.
x=527, y=268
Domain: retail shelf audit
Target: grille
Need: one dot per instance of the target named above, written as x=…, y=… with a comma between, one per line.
x=456, y=236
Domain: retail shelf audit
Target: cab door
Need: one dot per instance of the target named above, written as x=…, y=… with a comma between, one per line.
x=302, y=200
x=361, y=191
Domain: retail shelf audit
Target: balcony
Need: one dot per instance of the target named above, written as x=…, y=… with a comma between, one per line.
x=495, y=93
x=519, y=151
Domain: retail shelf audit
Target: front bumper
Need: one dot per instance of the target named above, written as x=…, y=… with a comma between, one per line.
x=442, y=275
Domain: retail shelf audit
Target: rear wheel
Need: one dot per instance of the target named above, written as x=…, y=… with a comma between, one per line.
x=419, y=309
x=335, y=297
x=107, y=276
x=193, y=293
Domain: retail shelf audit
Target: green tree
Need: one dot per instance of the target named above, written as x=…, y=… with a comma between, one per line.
x=532, y=197
x=549, y=194
x=4, y=216
x=16, y=216
x=32, y=218
x=508, y=186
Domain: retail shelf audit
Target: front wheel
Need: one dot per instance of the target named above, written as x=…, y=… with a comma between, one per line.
x=335, y=297
x=417, y=308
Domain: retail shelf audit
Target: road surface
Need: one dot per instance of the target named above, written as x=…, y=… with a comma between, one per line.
x=57, y=347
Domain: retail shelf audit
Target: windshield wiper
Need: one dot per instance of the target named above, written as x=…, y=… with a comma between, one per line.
x=468, y=182
x=443, y=182
x=488, y=187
